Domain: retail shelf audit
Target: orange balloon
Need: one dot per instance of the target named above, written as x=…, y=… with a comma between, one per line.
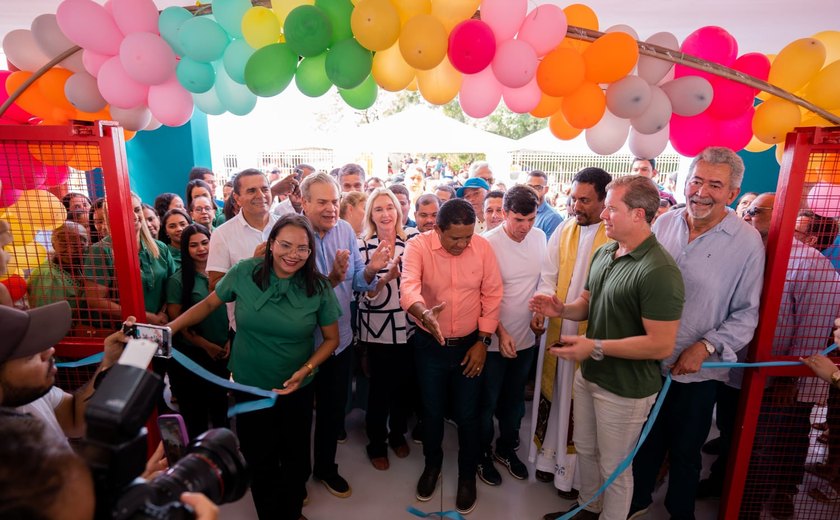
x=129, y=135
x=547, y=106
x=51, y=85
x=86, y=157
x=452, y=12
x=408, y=8
x=561, y=128
x=561, y=72
x=390, y=70
x=53, y=154
x=584, y=107
x=423, y=42
x=583, y=16
x=102, y=115
x=412, y=87
x=30, y=100
x=610, y=57
x=440, y=85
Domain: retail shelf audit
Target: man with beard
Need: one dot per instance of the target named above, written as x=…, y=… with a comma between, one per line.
x=564, y=271
x=722, y=263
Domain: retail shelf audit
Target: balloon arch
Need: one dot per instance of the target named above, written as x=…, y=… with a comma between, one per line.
x=128, y=62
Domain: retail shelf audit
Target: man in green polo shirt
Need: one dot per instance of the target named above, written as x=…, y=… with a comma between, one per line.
x=633, y=300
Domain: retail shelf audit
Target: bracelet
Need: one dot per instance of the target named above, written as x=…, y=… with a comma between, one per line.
x=310, y=367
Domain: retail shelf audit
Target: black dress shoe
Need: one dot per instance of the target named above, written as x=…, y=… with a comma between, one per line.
x=583, y=514
x=465, y=500
x=427, y=483
x=487, y=471
x=708, y=488
x=336, y=485
x=572, y=494
x=544, y=476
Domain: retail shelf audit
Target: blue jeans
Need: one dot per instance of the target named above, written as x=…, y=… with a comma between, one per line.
x=441, y=379
x=503, y=393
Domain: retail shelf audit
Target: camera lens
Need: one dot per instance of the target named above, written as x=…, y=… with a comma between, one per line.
x=213, y=466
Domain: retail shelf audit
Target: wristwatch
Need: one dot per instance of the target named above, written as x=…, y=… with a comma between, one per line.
x=485, y=339
x=709, y=347
x=598, y=352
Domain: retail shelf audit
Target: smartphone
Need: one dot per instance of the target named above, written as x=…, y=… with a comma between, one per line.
x=173, y=433
x=556, y=344
x=160, y=335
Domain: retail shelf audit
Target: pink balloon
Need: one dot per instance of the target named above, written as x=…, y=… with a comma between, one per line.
x=824, y=199
x=9, y=196
x=471, y=46
x=711, y=43
x=504, y=17
x=480, y=94
x=93, y=61
x=147, y=59
x=56, y=175
x=14, y=112
x=730, y=99
x=117, y=87
x=650, y=145
x=89, y=25
x=133, y=16
x=515, y=63
x=170, y=103
x=523, y=99
x=18, y=169
x=690, y=135
x=544, y=28
x=735, y=133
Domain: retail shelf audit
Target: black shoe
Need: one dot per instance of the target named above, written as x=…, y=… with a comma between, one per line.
x=342, y=436
x=465, y=500
x=487, y=472
x=336, y=485
x=712, y=447
x=708, y=488
x=427, y=483
x=516, y=444
x=515, y=467
x=572, y=494
x=544, y=476
x=583, y=514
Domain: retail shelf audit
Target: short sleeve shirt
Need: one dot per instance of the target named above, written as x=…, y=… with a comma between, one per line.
x=645, y=283
x=214, y=328
x=275, y=327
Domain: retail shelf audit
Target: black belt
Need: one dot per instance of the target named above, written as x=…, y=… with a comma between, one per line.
x=463, y=340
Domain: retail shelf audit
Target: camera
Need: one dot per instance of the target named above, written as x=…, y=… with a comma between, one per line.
x=115, y=448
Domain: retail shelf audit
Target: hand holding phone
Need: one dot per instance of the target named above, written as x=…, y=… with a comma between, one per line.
x=160, y=335
x=173, y=433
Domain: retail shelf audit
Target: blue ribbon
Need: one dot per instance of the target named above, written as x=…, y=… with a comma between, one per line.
x=654, y=413
x=454, y=515
x=90, y=360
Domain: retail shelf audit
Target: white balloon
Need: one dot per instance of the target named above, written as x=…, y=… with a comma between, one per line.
x=21, y=50
x=81, y=91
x=625, y=29
x=689, y=95
x=628, y=97
x=154, y=124
x=609, y=135
x=52, y=42
x=133, y=119
x=653, y=69
x=651, y=145
x=657, y=115
x=209, y=103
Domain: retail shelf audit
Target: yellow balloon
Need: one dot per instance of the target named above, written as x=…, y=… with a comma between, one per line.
x=423, y=42
x=824, y=89
x=831, y=40
x=412, y=87
x=797, y=63
x=282, y=8
x=774, y=119
x=25, y=257
x=440, y=85
x=780, y=152
x=390, y=71
x=261, y=27
x=375, y=24
x=452, y=12
x=22, y=233
x=757, y=146
x=39, y=209
x=408, y=8
x=764, y=96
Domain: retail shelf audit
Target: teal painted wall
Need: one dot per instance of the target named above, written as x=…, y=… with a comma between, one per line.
x=761, y=171
x=160, y=161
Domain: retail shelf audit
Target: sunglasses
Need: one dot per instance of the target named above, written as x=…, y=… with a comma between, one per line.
x=757, y=210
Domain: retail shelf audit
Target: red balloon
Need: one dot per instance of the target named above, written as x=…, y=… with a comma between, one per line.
x=690, y=135
x=14, y=112
x=472, y=46
x=711, y=43
x=18, y=169
x=735, y=133
x=16, y=285
x=56, y=175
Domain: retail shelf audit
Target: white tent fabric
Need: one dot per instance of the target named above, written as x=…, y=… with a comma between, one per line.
x=544, y=141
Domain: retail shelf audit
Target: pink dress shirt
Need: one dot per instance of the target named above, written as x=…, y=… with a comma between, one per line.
x=470, y=284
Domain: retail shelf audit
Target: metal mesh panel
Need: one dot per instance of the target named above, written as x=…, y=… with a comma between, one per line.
x=321, y=159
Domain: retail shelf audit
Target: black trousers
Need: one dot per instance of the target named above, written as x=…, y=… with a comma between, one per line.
x=331, y=385
x=391, y=368
x=200, y=402
x=275, y=443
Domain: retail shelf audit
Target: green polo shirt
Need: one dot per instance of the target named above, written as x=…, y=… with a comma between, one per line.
x=154, y=272
x=219, y=217
x=646, y=283
x=275, y=327
x=215, y=327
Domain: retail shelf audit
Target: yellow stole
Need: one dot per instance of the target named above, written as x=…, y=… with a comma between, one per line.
x=569, y=238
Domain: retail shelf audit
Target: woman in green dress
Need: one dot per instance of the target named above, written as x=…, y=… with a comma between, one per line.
x=172, y=225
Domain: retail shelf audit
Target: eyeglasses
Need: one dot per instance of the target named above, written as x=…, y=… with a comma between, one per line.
x=758, y=210
x=284, y=248
x=203, y=209
x=536, y=187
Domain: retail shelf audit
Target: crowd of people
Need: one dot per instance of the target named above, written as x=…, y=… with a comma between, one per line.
x=454, y=297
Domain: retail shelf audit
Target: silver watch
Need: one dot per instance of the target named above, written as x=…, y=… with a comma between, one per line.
x=709, y=347
x=598, y=352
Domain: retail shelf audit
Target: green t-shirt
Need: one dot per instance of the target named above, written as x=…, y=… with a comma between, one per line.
x=646, y=283
x=176, y=255
x=215, y=327
x=274, y=328
x=154, y=272
x=219, y=218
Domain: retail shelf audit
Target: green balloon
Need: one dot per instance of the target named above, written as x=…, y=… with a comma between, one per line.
x=307, y=30
x=311, y=76
x=338, y=11
x=270, y=69
x=229, y=14
x=195, y=76
x=235, y=58
x=169, y=21
x=202, y=39
x=363, y=96
x=348, y=64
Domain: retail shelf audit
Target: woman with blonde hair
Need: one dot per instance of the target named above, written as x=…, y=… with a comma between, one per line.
x=352, y=210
